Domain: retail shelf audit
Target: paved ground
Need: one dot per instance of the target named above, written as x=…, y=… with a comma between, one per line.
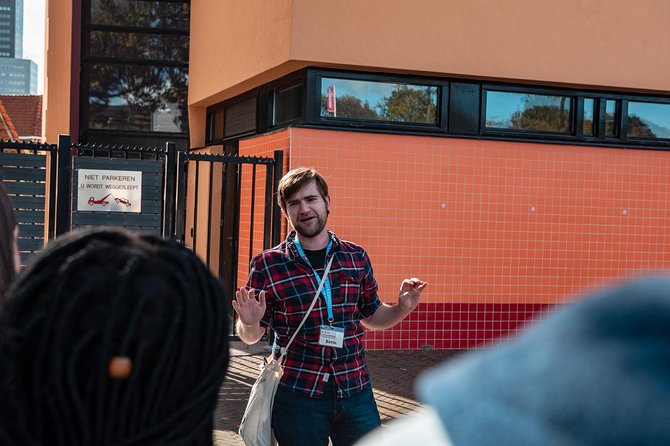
x=393, y=374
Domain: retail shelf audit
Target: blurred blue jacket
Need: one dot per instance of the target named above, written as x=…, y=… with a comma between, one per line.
x=596, y=372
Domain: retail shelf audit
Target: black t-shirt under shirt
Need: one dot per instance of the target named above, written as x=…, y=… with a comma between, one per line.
x=317, y=259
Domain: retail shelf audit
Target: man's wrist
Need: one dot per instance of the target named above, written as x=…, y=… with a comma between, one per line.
x=255, y=324
x=403, y=310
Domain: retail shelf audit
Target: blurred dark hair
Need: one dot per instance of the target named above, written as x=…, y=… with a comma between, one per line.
x=7, y=226
x=92, y=296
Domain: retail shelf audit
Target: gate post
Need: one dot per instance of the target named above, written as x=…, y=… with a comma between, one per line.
x=180, y=219
x=276, y=214
x=64, y=185
x=170, y=194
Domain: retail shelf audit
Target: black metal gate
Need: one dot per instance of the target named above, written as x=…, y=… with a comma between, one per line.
x=226, y=211
x=43, y=182
x=220, y=205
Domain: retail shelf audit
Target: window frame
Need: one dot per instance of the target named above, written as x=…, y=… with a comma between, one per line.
x=465, y=102
x=314, y=115
x=507, y=132
x=625, y=113
x=88, y=60
x=267, y=100
x=210, y=114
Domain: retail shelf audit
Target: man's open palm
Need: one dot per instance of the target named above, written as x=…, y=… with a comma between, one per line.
x=249, y=309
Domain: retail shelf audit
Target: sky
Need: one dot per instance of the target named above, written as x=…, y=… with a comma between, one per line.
x=33, y=36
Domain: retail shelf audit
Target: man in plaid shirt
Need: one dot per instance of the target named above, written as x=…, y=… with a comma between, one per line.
x=325, y=391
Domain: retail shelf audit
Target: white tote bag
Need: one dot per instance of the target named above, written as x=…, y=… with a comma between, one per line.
x=256, y=425
x=255, y=428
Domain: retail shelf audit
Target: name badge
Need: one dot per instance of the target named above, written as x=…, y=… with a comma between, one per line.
x=331, y=336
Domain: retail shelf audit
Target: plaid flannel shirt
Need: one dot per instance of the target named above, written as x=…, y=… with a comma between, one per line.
x=290, y=286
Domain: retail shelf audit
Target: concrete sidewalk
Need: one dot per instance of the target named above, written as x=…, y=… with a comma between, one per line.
x=393, y=375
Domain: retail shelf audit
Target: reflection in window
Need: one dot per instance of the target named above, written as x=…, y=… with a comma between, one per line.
x=521, y=111
x=138, y=98
x=287, y=104
x=378, y=101
x=589, y=113
x=164, y=47
x=648, y=120
x=153, y=14
x=611, y=117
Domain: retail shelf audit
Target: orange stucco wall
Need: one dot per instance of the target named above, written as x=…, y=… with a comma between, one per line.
x=57, y=69
x=492, y=220
x=232, y=42
x=236, y=46
x=500, y=230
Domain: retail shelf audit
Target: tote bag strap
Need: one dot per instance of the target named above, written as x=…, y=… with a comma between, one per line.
x=311, y=307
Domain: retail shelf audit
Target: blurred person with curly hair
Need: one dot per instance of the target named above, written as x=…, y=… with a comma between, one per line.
x=111, y=337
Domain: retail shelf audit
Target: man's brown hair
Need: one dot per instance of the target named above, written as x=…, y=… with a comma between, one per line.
x=294, y=180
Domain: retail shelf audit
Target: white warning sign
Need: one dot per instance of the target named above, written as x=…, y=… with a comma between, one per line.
x=109, y=190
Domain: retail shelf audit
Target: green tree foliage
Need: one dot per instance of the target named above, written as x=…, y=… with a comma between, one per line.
x=637, y=128
x=154, y=14
x=350, y=107
x=547, y=118
x=409, y=104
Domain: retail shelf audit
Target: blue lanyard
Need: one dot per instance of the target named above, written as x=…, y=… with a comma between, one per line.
x=326, y=291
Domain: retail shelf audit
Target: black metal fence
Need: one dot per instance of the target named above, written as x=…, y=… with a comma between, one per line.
x=26, y=170
x=53, y=192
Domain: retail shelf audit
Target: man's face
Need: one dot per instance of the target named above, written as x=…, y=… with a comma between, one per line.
x=307, y=210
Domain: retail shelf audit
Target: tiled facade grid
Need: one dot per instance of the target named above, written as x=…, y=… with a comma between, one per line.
x=501, y=230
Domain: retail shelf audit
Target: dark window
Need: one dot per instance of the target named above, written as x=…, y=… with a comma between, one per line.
x=287, y=104
x=240, y=118
x=378, y=101
x=588, y=129
x=134, y=75
x=152, y=14
x=648, y=120
x=528, y=111
x=464, y=102
x=141, y=46
x=217, y=124
x=611, y=118
x=139, y=98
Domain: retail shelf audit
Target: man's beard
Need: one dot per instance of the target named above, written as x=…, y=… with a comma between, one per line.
x=320, y=224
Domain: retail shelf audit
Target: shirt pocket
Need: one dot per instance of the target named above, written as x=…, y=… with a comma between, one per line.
x=346, y=289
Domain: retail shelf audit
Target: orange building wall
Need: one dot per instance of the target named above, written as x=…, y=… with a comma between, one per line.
x=57, y=69
x=500, y=230
x=236, y=46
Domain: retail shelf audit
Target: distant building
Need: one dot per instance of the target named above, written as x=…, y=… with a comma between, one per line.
x=11, y=28
x=25, y=112
x=18, y=76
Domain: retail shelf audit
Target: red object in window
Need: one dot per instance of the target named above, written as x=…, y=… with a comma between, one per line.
x=331, y=105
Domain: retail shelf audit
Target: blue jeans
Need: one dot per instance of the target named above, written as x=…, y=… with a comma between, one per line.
x=300, y=420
